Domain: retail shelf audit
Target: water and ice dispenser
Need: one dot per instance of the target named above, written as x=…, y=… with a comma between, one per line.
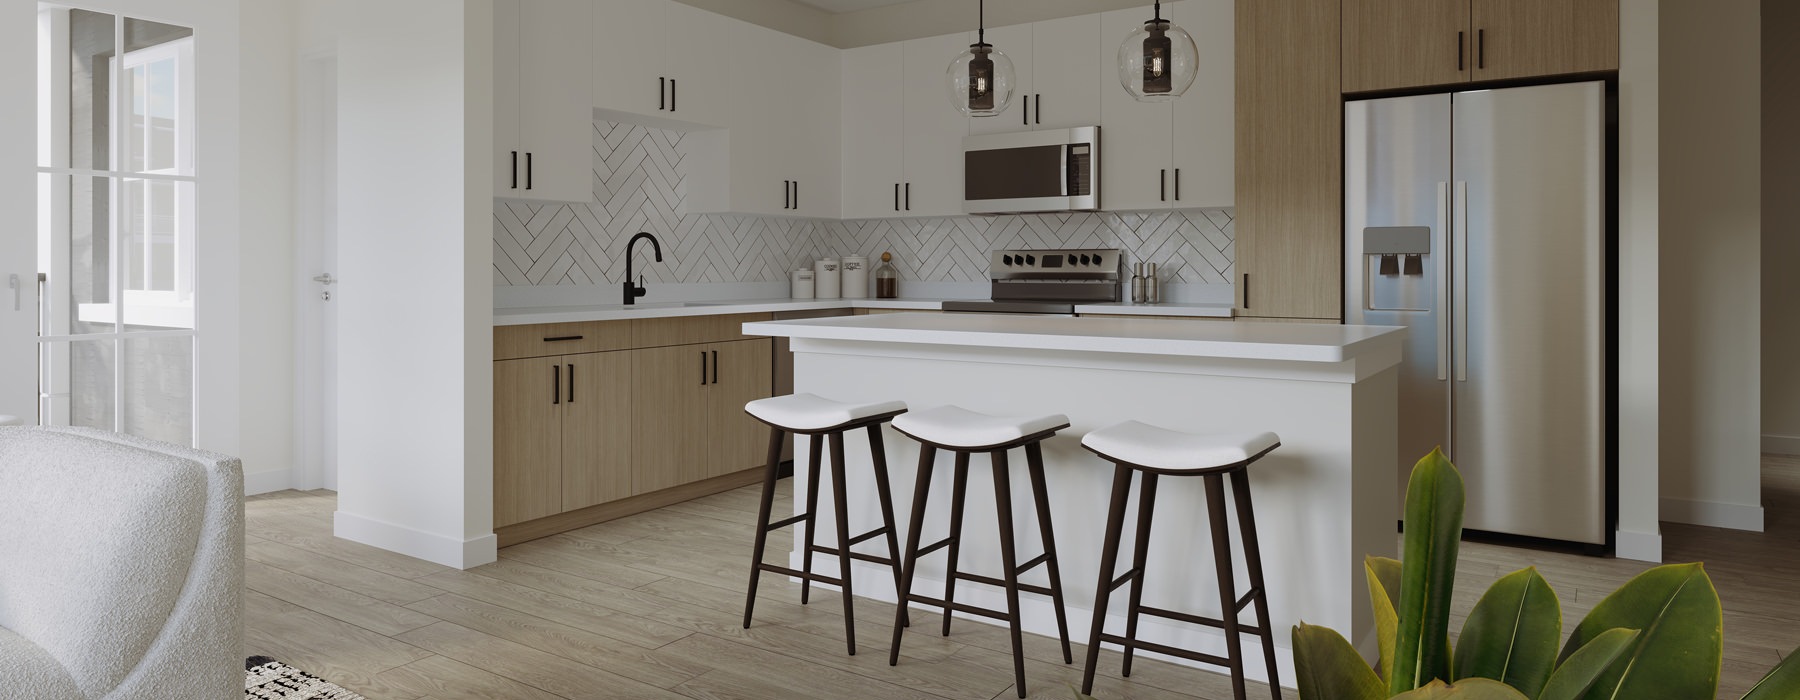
x=1394, y=271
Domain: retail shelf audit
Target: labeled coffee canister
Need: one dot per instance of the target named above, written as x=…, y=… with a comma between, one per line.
x=856, y=277
x=827, y=279
x=803, y=284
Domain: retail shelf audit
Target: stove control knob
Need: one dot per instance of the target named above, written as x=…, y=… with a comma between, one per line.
x=1031, y=259
x=1084, y=259
x=1007, y=260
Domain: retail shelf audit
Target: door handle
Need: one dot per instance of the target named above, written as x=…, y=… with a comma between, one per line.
x=571, y=383
x=1443, y=281
x=555, y=384
x=1460, y=316
x=662, y=93
x=12, y=281
x=715, y=378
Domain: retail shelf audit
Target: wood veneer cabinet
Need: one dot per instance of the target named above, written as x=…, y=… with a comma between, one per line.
x=1394, y=44
x=689, y=423
x=1289, y=140
x=559, y=424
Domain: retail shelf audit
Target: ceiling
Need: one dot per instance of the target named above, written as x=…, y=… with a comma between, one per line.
x=843, y=6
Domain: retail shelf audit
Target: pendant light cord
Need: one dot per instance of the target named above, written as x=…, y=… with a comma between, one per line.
x=1158, y=10
x=981, y=21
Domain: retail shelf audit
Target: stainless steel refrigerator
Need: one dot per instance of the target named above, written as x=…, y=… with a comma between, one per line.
x=1478, y=219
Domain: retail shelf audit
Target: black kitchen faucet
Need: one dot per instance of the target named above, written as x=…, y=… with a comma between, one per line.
x=633, y=291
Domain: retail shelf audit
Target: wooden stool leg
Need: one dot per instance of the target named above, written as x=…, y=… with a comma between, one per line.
x=814, y=443
x=1034, y=459
x=1221, y=542
x=1240, y=490
x=959, y=488
x=885, y=494
x=762, y=520
x=1139, y=551
x=1009, y=563
x=1109, y=558
x=840, y=501
x=915, y=525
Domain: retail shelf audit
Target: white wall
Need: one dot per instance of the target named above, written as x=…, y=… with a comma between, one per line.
x=1781, y=227
x=18, y=194
x=1711, y=238
x=1639, y=531
x=266, y=243
x=415, y=321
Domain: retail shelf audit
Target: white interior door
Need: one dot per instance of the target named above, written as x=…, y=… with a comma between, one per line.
x=315, y=459
x=18, y=247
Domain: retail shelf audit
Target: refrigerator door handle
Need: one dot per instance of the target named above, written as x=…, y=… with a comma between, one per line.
x=1460, y=317
x=1443, y=280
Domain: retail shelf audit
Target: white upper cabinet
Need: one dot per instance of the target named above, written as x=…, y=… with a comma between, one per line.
x=542, y=114
x=1179, y=154
x=1058, y=78
x=934, y=129
x=664, y=59
x=782, y=146
x=872, y=115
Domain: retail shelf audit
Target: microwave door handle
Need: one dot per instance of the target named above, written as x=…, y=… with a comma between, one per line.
x=1068, y=166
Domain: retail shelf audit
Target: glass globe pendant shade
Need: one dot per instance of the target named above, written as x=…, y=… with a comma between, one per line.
x=981, y=81
x=1158, y=62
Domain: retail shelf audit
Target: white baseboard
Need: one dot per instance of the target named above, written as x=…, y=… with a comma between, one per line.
x=1735, y=516
x=1781, y=444
x=462, y=554
x=267, y=482
x=876, y=582
x=1639, y=546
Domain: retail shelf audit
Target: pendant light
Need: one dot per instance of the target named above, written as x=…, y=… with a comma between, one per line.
x=1158, y=62
x=981, y=79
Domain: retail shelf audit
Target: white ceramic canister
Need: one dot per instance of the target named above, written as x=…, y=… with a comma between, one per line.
x=827, y=278
x=856, y=277
x=803, y=284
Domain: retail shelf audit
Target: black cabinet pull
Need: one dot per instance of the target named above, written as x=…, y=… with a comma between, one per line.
x=571, y=383
x=896, y=196
x=555, y=384
x=1481, y=49
x=1178, y=184
x=786, y=201
x=515, y=170
x=715, y=378
x=1459, y=52
x=702, y=368
x=909, y=196
x=672, y=93
x=1246, y=290
x=561, y=338
x=528, y=170
x=1037, y=112
x=796, y=194
x=1025, y=111
x=662, y=93
x=1163, y=193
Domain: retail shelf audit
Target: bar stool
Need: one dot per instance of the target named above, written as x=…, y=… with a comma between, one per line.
x=964, y=433
x=806, y=414
x=1133, y=446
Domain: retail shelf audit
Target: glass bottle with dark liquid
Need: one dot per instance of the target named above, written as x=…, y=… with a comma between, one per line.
x=887, y=279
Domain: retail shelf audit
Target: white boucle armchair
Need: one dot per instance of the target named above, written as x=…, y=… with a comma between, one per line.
x=121, y=567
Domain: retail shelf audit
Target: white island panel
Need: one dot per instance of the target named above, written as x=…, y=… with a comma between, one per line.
x=1324, y=498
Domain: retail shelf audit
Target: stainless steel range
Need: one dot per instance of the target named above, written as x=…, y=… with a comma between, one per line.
x=1049, y=281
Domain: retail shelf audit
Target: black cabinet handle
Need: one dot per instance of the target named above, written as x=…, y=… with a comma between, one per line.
x=715, y=378
x=571, y=383
x=1481, y=49
x=786, y=201
x=1459, y=52
x=909, y=196
x=1037, y=112
x=1246, y=290
x=672, y=93
x=796, y=194
x=1025, y=111
x=896, y=196
x=528, y=170
x=702, y=368
x=555, y=384
x=562, y=338
x=662, y=93
x=1178, y=184
x=515, y=170
x=1163, y=192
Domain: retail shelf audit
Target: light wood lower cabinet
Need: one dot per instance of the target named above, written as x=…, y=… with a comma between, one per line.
x=689, y=424
x=561, y=434
x=596, y=424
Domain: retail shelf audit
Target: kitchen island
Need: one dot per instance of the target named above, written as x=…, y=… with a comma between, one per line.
x=1324, y=499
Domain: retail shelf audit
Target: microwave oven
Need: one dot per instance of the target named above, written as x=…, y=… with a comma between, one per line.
x=1032, y=171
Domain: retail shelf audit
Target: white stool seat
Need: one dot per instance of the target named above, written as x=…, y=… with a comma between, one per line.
x=10, y=420
x=1159, y=448
x=953, y=426
x=811, y=412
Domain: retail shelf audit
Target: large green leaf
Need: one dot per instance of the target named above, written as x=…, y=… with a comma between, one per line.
x=1327, y=668
x=1384, y=597
x=1677, y=654
x=1468, y=689
x=1511, y=634
x=1782, y=682
x=1574, y=676
x=1434, y=510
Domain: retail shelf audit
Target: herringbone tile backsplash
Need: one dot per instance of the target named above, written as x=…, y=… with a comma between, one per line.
x=639, y=186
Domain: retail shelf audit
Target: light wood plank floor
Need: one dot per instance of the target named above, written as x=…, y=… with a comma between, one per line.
x=649, y=607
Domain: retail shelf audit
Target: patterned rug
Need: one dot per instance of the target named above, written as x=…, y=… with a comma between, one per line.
x=268, y=679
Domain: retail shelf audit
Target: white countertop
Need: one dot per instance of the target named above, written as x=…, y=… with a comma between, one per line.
x=1292, y=342
x=615, y=312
